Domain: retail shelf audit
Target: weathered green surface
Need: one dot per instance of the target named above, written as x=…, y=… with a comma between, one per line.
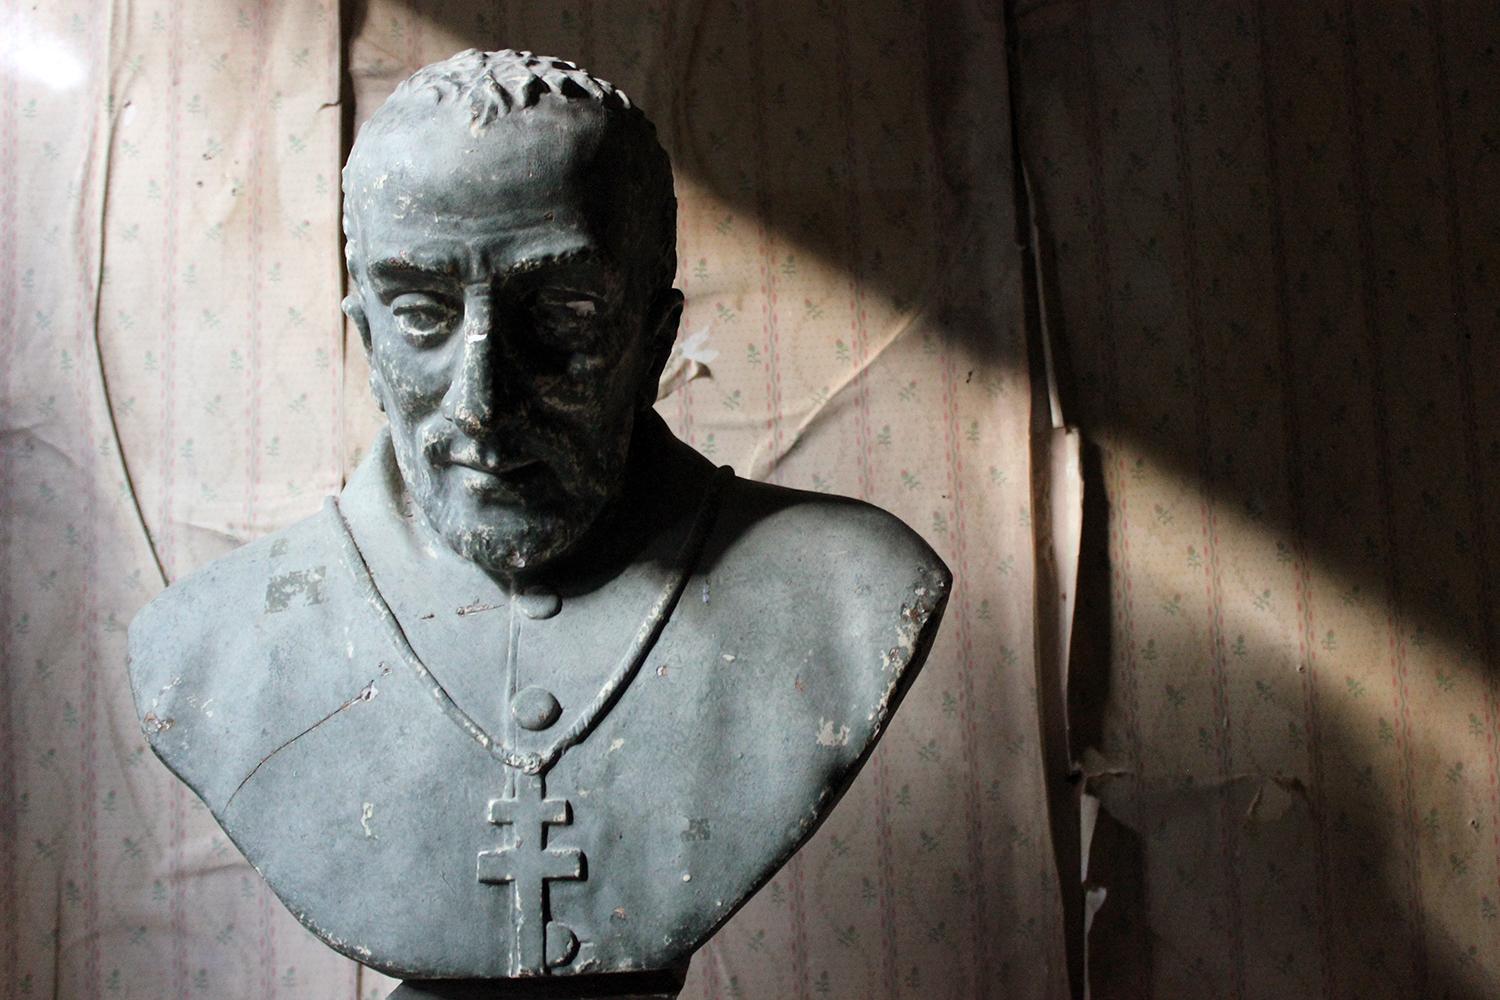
x=542, y=693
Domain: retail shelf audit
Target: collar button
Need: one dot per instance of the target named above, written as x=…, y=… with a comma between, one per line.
x=538, y=602
x=535, y=708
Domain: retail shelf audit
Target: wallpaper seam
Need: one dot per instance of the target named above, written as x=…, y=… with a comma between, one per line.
x=1473, y=460
x=1213, y=585
x=1291, y=430
x=1370, y=302
x=9, y=330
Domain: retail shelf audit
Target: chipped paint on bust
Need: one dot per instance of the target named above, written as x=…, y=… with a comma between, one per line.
x=829, y=736
x=852, y=624
x=306, y=584
x=929, y=595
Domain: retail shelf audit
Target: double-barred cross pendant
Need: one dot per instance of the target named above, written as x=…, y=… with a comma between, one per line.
x=527, y=864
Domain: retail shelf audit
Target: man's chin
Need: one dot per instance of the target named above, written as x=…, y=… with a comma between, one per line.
x=505, y=541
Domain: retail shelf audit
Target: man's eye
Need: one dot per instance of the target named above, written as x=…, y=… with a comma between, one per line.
x=423, y=318
x=565, y=320
x=565, y=308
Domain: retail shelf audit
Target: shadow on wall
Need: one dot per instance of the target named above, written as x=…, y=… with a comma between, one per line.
x=1264, y=234
x=1167, y=926
x=1268, y=244
x=871, y=138
x=806, y=122
x=1265, y=297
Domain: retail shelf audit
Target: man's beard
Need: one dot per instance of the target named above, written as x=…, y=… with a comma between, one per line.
x=532, y=511
x=505, y=543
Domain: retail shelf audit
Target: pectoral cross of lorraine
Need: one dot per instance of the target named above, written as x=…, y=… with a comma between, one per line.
x=527, y=864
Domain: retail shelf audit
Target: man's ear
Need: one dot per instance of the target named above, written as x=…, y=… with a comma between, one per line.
x=660, y=328
x=354, y=308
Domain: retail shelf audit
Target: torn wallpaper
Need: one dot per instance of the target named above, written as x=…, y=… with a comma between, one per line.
x=176, y=381
x=1270, y=238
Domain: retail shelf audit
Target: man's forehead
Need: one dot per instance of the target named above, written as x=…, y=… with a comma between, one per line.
x=525, y=222
x=441, y=151
x=527, y=187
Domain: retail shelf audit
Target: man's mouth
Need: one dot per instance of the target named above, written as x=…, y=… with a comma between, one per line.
x=500, y=468
x=497, y=476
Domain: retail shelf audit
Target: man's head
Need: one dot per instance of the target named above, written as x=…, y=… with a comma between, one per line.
x=510, y=230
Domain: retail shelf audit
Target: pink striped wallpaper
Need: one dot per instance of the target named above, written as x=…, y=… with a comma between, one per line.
x=1271, y=234
x=175, y=382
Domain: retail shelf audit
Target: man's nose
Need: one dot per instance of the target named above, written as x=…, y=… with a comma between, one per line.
x=473, y=397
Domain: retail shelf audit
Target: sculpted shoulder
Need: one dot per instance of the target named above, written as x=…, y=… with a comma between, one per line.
x=242, y=654
x=835, y=538
x=798, y=631
x=848, y=595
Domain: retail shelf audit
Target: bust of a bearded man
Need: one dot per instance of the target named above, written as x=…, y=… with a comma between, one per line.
x=542, y=693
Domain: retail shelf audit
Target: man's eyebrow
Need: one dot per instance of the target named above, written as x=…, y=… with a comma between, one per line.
x=402, y=269
x=551, y=261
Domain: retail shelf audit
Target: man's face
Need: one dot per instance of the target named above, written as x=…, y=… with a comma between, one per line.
x=509, y=346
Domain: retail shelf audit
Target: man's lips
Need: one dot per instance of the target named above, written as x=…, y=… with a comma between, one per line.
x=480, y=456
x=512, y=480
x=500, y=469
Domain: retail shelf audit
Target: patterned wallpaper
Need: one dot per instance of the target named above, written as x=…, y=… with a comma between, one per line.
x=171, y=387
x=175, y=381
x=1267, y=234
x=1270, y=235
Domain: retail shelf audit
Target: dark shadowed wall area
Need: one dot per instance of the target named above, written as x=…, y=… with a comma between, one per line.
x=1271, y=243
x=177, y=381
x=1265, y=248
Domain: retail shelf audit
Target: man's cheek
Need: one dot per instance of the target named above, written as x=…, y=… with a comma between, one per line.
x=414, y=388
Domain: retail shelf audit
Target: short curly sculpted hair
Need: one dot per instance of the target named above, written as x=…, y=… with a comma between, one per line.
x=494, y=85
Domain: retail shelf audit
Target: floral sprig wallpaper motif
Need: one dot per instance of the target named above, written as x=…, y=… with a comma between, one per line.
x=176, y=381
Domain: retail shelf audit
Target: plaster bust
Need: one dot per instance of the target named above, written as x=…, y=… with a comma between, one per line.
x=542, y=694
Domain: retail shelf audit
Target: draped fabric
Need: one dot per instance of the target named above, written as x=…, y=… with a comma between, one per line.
x=1270, y=236
x=1260, y=321
x=176, y=381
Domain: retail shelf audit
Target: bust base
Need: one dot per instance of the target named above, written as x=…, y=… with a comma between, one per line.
x=661, y=985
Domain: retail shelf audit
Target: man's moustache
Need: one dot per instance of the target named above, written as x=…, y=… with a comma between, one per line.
x=457, y=450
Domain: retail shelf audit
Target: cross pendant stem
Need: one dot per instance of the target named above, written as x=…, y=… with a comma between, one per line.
x=527, y=864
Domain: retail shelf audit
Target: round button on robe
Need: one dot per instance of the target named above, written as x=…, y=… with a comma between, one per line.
x=535, y=708
x=537, y=602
